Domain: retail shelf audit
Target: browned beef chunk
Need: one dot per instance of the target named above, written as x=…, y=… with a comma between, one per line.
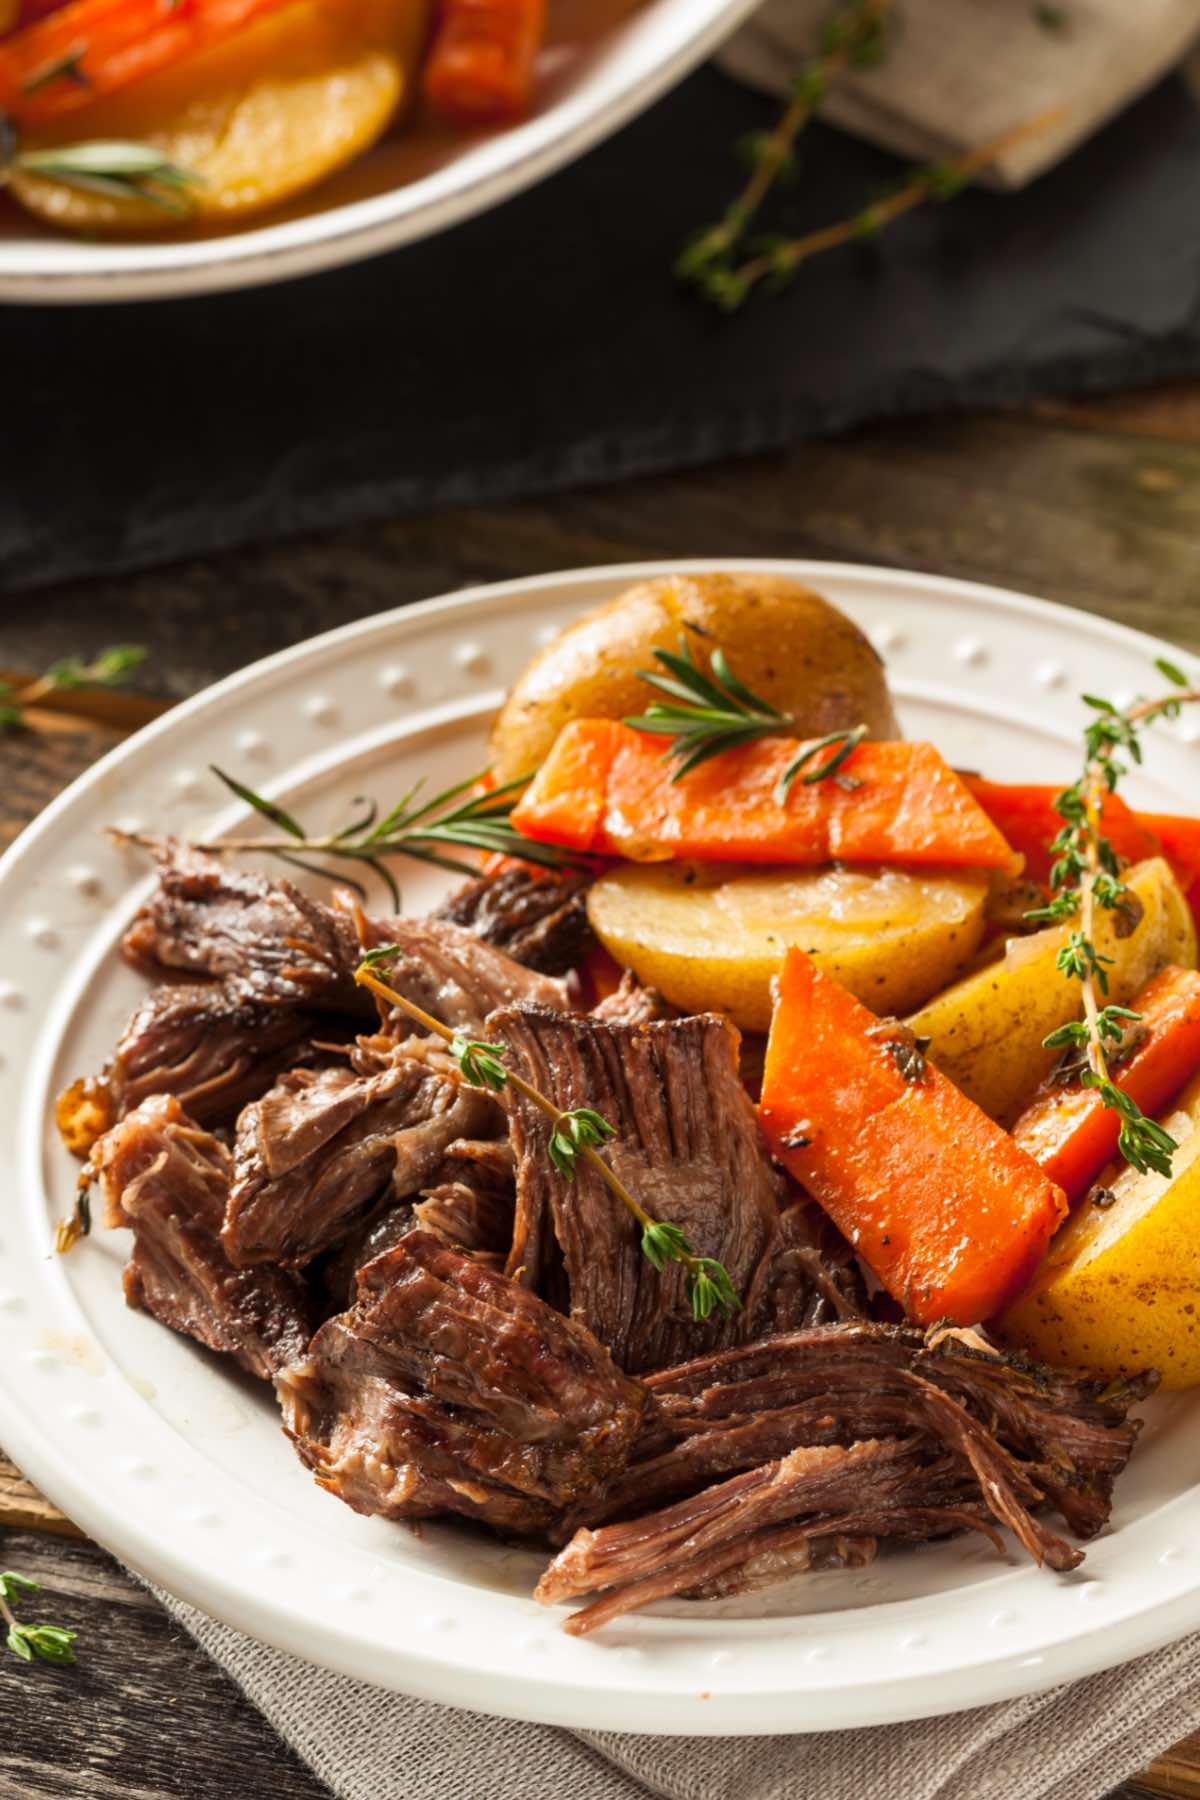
x=813, y=1278
x=456, y=977
x=469, y=1204
x=687, y=1147
x=449, y=1388
x=632, y=1004
x=336, y=1273
x=982, y=1435
x=316, y=1152
x=537, y=916
x=166, y=1178
x=209, y=1043
x=210, y=918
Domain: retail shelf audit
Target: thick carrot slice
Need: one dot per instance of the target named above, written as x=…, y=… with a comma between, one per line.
x=1180, y=839
x=93, y=47
x=479, y=70
x=605, y=788
x=951, y=1215
x=1026, y=816
x=1069, y=1130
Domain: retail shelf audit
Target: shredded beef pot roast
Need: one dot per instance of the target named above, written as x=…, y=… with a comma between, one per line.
x=321, y=1147
x=687, y=1145
x=501, y=1348
x=165, y=1177
x=448, y=1388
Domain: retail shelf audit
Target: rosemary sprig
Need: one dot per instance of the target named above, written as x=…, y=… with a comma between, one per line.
x=853, y=37
x=1086, y=879
x=48, y=1643
x=778, y=259
x=110, y=668
x=119, y=170
x=426, y=830
x=706, y=712
x=574, y=1134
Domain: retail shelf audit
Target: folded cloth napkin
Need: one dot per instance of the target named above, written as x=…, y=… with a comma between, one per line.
x=960, y=73
x=1072, y=1743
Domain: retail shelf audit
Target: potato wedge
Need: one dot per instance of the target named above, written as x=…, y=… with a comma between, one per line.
x=1119, y=1290
x=711, y=938
x=785, y=642
x=986, y=1031
x=257, y=119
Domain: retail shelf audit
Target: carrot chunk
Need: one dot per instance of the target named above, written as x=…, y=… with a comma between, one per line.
x=605, y=788
x=1068, y=1129
x=1026, y=816
x=93, y=47
x=480, y=65
x=949, y=1213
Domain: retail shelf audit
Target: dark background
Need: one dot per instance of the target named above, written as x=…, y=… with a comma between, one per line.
x=546, y=346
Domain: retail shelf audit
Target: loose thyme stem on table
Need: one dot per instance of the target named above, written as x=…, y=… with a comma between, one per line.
x=48, y=1643
x=109, y=668
x=1086, y=876
x=854, y=37
x=780, y=258
x=575, y=1134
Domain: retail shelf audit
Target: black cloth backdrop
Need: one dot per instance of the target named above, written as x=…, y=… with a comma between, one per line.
x=546, y=344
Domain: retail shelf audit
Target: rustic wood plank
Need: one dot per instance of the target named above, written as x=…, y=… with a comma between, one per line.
x=143, y=1715
x=22, y=1508
x=1171, y=412
x=1175, y=1776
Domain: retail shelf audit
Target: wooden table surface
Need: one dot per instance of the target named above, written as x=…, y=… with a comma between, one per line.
x=1097, y=506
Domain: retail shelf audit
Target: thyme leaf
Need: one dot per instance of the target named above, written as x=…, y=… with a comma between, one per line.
x=45, y=1643
x=1087, y=879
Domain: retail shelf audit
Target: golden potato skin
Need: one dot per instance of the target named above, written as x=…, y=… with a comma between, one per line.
x=262, y=117
x=784, y=641
x=710, y=939
x=986, y=1031
x=1119, y=1290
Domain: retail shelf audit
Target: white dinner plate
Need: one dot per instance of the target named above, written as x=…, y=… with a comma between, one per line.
x=180, y=1467
x=607, y=59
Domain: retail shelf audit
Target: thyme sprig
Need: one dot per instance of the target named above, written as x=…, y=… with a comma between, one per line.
x=109, y=668
x=855, y=36
x=1086, y=879
x=116, y=169
x=575, y=1133
x=708, y=711
x=777, y=259
x=47, y=1643
x=426, y=830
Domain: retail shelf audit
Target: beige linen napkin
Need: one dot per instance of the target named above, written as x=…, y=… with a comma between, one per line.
x=1073, y=1743
x=959, y=73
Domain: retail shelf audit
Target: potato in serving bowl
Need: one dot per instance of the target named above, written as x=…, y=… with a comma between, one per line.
x=256, y=119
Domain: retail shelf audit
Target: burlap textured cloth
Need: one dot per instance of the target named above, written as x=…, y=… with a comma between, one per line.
x=1072, y=1743
x=959, y=73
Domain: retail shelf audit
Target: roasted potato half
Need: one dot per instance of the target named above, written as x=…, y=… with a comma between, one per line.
x=1119, y=1290
x=986, y=1031
x=257, y=119
x=784, y=641
x=709, y=938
